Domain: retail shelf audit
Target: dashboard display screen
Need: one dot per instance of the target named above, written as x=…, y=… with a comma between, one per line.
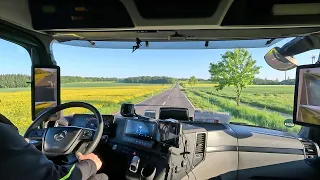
x=140, y=129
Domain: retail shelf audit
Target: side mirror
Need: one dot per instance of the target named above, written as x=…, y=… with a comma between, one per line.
x=45, y=87
x=289, y=123
x=307, y=96
x=279, y=62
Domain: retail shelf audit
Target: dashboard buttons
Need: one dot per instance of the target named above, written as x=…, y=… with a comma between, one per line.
x=177, y=169
x=139, y=142
x=114, y=147
x=87, y=134
x=104, y=138
x=183, y=164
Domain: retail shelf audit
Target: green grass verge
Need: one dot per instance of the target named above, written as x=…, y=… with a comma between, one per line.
x=276, y=98
x=243, y=113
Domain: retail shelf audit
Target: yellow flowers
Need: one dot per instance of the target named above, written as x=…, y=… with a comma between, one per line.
x=17, y=105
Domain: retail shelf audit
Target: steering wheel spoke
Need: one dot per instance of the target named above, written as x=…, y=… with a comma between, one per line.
x=36, y=134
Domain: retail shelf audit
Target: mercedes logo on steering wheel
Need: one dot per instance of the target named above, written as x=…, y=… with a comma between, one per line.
x=59, y=136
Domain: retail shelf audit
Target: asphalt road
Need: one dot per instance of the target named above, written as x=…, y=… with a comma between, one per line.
x=173, y=97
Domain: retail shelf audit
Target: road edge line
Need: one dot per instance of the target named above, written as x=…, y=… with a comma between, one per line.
x=188, y=100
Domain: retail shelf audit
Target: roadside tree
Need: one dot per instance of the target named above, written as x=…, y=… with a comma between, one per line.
x=236, y=68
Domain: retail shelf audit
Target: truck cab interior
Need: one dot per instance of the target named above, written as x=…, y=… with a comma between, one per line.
x=173, y=146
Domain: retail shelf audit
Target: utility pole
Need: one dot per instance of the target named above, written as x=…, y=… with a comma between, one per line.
x=313, y=58
x=285, y=75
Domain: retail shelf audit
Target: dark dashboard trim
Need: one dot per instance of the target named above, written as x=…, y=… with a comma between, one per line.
x=255, y=149
x=271, y=150
x=221, y=148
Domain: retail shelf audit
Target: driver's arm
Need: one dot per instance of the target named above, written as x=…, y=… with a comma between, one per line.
x=21, y=160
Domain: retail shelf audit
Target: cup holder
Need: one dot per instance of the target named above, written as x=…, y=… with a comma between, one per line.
x=148, y=172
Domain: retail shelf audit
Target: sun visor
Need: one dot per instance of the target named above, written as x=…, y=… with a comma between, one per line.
x=256, y=43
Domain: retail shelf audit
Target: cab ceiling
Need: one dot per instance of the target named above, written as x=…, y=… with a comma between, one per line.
x=129, y=19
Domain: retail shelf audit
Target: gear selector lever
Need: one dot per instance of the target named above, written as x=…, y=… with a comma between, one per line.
x=134, y=164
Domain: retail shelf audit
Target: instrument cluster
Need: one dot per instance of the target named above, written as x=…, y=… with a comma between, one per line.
x=89, y=121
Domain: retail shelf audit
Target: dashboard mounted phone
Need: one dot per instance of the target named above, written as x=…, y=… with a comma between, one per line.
x=45, y=89
x=307, y=95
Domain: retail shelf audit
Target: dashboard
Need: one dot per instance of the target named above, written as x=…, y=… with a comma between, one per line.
x=176, y=150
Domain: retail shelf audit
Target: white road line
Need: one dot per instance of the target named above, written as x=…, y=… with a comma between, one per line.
x=171, y=93
x=164, y=103
x=188, y=100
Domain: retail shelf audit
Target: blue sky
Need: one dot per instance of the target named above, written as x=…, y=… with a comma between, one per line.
x=81, y=61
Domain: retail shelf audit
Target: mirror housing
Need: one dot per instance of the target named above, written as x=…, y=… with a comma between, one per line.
x=289, y=123
x=45, y=90
x=307, y=96
x=279, y=62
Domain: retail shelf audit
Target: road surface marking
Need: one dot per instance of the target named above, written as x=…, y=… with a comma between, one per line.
x=171, y=93
x=188, y=100
x=153, y=96
x=164, y=103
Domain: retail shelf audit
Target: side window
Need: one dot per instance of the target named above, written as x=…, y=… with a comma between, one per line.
x=15, y=91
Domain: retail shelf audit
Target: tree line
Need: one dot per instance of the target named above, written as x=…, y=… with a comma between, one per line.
x=20, y=80
x=14, y=80
x=259, y=81
x=149, y=80
x=74, y=79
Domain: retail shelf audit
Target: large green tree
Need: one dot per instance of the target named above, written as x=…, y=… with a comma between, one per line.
x=192, y=81
x=236, y=68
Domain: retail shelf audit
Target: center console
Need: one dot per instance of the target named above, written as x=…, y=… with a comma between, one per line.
x=145, y=144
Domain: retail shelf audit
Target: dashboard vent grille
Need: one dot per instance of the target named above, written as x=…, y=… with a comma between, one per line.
x=200, y=145
x=310, y=149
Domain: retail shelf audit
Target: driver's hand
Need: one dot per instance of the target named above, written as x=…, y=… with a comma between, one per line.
x=92, y=157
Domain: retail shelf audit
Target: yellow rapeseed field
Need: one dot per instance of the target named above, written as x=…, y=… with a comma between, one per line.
x=17, y=105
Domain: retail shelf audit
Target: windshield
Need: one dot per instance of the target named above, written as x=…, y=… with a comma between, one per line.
x=153, y=79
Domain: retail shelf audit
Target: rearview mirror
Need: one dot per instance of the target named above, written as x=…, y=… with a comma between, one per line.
x=45, y=90
x=307, y=95
x=279, y=62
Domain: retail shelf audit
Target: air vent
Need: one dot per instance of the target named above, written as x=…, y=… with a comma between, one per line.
x=310, y=149
x=200, y=145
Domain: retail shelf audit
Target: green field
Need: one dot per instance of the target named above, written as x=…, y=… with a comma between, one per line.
x=102, y=84
x=107, y=97
x=259, y=107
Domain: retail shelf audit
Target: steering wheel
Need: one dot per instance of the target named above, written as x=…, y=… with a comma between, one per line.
x=63, y=140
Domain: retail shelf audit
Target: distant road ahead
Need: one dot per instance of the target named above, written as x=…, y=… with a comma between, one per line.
x=173, y=97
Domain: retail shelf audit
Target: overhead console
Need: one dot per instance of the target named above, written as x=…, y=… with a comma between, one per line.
x=176, y=9
x=79, y=14
x=272, y=12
